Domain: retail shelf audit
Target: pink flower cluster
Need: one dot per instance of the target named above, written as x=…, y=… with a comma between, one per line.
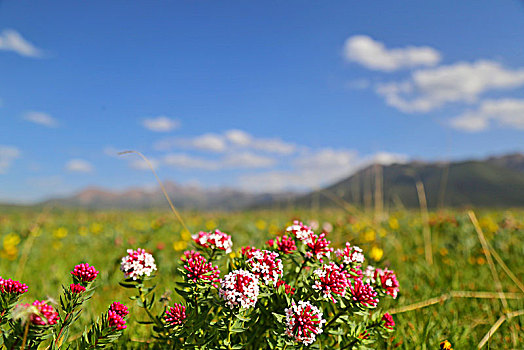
x=115, y=316
x=284, y=244
x=303, y=322
x=137, y=263
x=175, y=315
x=239, y=288
x=199, y=270
x=84, y=273
x=388, y=321
x=214, y=240
x=363, y=293
x=319, y=246
x=300, y=231
x=77, y=288
x=388, y=281
x=266, y=266
x=11, y=286
x=331, y=280
x=45, y=315
x=350, y=255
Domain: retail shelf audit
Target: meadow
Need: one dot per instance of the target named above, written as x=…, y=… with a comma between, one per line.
x=448, y=289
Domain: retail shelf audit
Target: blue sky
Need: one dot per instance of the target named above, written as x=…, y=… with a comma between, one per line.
x=262, y=96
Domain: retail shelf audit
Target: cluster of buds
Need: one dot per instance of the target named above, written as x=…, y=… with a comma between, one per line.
x=266, y=266
x=303, y=322
x=137, y=264
x=287, y=288
x=331, y=279
x=363, y=293
x=318, y=247
x=84, y=273
x=387, y=280
x=39, y=313
x=284, y=244
x=116, y=316
x=175, y=315
x=10, y=286
x=199, y=270
x=239, y=288
x=300, y=231
x=214, y=240
x=77, y=288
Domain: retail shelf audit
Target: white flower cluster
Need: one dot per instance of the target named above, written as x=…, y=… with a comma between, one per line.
x=217, y=239
x=304, y=322
x=369, y=275
x=303, y=233
x=351, y=254
x=239, y=288
x=137, y=263
x=267, y=266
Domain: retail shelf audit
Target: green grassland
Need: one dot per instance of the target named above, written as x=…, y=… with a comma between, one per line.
x=40, y=248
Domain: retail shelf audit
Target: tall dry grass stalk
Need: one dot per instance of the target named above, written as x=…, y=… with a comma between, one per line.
x=428, y=249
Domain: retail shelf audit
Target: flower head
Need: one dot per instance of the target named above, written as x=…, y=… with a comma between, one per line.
x=363, y=293
x=284, y=244
x=115, y=320
x=239, y=288
x=300, y=231
x=10, y=286
x=330, y=280
x=77, y=288
x=120, y=309
x=41, y=313
x=445, y=345
x=318, y=246
x=266, y=266
x=137, y=263
x=388, y=321
x=388, y=281
x=84, y=273
x=175, y=315
x=199, y=270
x=350, y=255
x=303, y=322
x=214, y=240
x=287, y=288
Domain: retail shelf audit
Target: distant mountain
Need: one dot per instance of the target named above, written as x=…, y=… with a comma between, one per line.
x=187, y=197
x=494, y=182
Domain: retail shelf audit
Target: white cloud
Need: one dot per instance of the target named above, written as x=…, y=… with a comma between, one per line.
x=160, y=124
x=247, y=160
x=185, y=161
x=374, y=55
x=229, y=141
x=7, y=155
x=41, y=119
x=79, y=166
x=386, y=158
x=11, y=40
x=429, y=89
x=505, y=112
x=140, y=164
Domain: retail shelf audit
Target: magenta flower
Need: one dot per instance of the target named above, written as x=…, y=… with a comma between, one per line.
x=137, y=263
x=175, y=315
x=284, y=244
x=10, y=286
x=115, y=320
x=199, y=270
x=388, y=281
x=239, y=288
x=363, y=293
x=120, y=309
x=45, y=314
x=214, y=240
x=287, y=288
x=330, y=280
x=388, y=321
x=266, y=266
x=319, y=246
x=303, y=322
x=84, y=273
x=77, y=288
